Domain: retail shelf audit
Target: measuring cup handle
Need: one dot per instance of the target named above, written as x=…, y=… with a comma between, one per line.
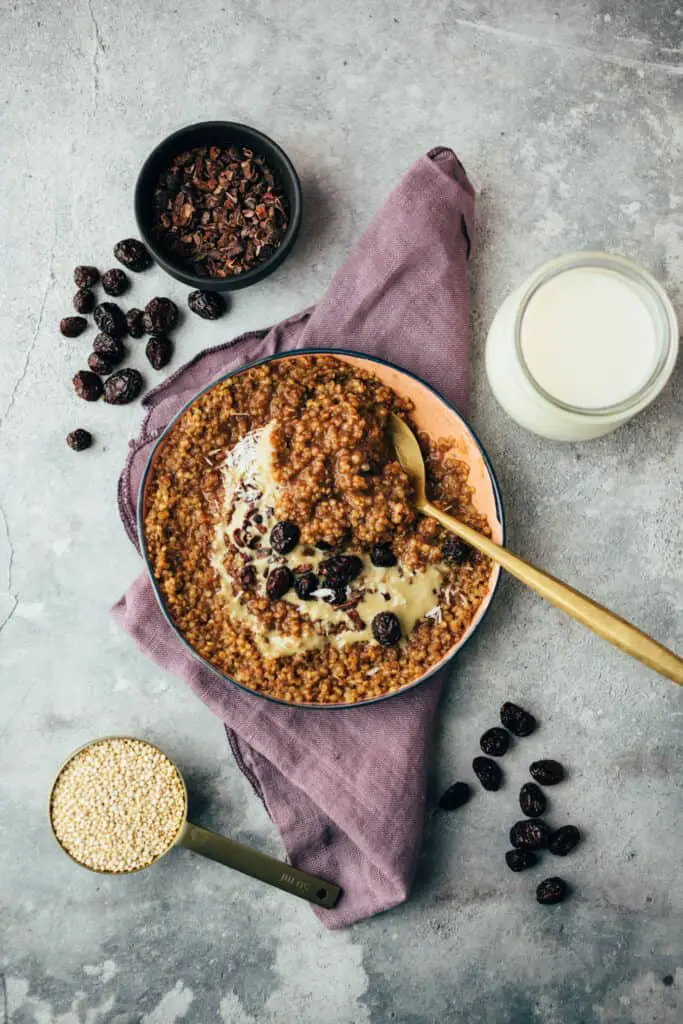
x=258, y=865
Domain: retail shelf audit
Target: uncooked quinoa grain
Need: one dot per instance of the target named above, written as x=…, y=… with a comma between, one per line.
x=117, y=805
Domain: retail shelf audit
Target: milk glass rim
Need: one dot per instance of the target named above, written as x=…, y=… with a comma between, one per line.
x=667, y=334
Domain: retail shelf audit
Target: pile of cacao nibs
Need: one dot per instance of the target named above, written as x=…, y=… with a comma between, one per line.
x=157, y=319
x=220, y=210
x=531, y=834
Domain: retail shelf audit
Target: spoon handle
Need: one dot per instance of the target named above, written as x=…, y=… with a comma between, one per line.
x=597, y=618
x=258, y=865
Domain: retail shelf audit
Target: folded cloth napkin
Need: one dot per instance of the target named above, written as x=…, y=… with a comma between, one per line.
x=346, y=788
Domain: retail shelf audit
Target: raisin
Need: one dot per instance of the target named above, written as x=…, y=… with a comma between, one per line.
x=247, y=576
x=84, y=301
x=530, y=834
x=495, y=742
x=455, y=550
x=322, y=545
x=136, y=327
x=159, y=350
x=564, y=840
x=551, y=890
x=160, y=315
x=207, y=305
x=110, y=319
x=305, y=585
x=284, y=537
x=340, y=570
x=382, y=555
x=133, y=254
x=79, y=439
x=516, y=720
x=100, y=364
x=86, y=277
x=72, y=326
x=520, y=860
x=280, y=580
x=115, y=282
x=532, y=800
x=337, y=595
x=122, y=387
x=109, y=348
x=547, y=772
x=455, y=796
x=386, y=629
x=87, y=385
x=488, y=773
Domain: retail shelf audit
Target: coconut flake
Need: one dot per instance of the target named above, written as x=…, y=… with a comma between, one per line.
x=435, y=613
x=322, y=593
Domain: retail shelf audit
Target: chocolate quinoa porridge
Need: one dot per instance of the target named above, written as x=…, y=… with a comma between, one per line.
x=282, y=535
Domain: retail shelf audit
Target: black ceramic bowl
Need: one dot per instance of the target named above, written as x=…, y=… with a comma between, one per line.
x=216, y=133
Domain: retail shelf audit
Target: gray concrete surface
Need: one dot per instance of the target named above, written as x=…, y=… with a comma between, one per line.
x=568, y=119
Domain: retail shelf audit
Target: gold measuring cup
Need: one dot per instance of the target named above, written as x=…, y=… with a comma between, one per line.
x=217, y=847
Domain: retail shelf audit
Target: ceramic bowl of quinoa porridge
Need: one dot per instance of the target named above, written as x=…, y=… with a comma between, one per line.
x=282, y=540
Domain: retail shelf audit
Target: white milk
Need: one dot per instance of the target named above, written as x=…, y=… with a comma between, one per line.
x=582, y=346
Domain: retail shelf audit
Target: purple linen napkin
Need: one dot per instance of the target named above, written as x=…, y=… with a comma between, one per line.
x=346, y=788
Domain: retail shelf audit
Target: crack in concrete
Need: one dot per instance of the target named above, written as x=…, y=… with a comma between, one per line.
x=98, y=48
x=579, y=51
x=14, y=599
x=5, y=1003
x=34, y=338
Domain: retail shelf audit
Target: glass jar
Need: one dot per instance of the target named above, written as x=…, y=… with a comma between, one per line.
x=588, y=341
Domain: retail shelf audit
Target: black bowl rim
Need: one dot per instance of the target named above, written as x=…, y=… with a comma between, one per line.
x=143, y=544
x=239, y=281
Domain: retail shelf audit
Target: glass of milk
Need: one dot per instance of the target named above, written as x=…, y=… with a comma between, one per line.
x=586, y=343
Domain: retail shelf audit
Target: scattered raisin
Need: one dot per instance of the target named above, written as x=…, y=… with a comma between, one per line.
x=495, y=742
x=386, y=629
x=564, y=840
x=279, y=581
x=530, y=834
x=109, y=348
x=72, y=326
x=547, y=772
x=551, y=890
x=84, y=300
x=305, y=585
x=207, y=305
x=136, y=327
x=160, y=315
x=247, y=576
x=110, y=319
x=115, y=282
x=159, y=350
x=100, y=364
x=86, y=277
x=340, y=570
x=455, y=550
x=455, y=796
x=516, y=720
x=488, y=773
x=284, y=537
x=133, y=254
x=532, y=800
x=79, y=439
x=122, y=387
x=520, y=860
x=382, y=555
x=87, y=385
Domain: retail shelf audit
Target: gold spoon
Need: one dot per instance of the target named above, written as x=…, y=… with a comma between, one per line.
x=598, y=619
